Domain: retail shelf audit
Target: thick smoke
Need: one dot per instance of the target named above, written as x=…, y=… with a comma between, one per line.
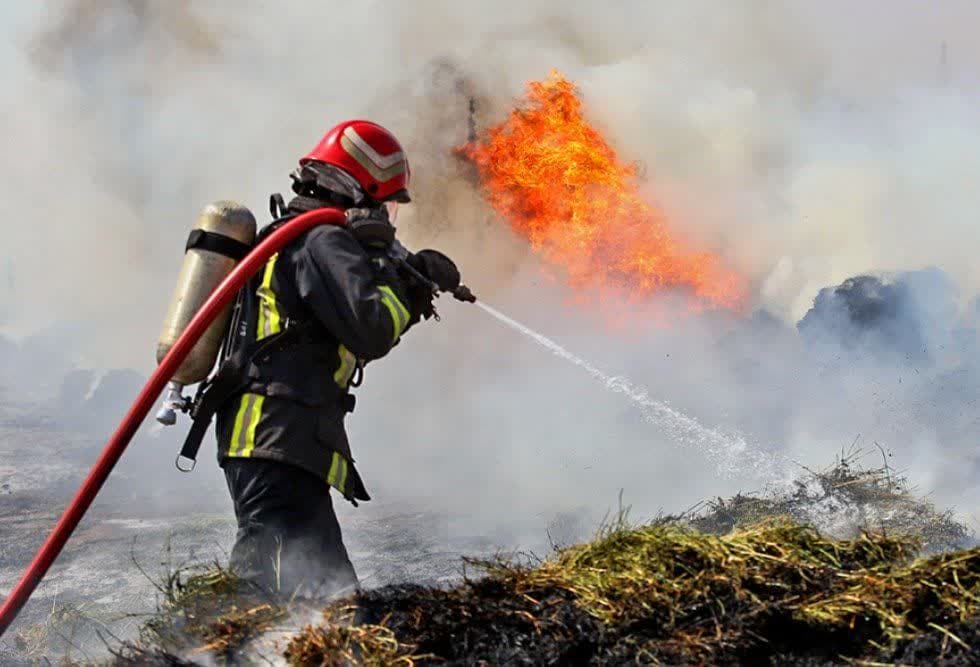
x=911, y=318
x=807, y=143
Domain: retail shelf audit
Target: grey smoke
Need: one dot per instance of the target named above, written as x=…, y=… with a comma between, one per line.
x=911, y=317
x=907, y=324
x=807, y=143
x=92, y=401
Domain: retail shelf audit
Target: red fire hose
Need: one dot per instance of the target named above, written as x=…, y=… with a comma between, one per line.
x=147, y=397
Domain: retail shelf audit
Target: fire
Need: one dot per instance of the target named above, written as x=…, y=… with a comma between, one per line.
x=555, y=179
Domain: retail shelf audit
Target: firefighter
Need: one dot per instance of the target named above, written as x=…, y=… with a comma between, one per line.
x=322, y=308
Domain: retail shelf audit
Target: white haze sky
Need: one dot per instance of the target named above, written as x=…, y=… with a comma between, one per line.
x=805, y=142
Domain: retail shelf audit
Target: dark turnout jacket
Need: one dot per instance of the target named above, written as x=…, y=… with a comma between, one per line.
x=350, y=307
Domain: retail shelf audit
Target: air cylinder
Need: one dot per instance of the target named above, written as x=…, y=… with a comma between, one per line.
x=224, y=232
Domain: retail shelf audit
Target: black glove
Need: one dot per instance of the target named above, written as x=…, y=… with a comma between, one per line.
x=371, y=228
x=420, y=301
x=436, y=267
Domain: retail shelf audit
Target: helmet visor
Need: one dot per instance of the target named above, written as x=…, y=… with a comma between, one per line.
x=329, y=178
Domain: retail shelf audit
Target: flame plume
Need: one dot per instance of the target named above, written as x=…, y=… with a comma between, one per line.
x=554, y=178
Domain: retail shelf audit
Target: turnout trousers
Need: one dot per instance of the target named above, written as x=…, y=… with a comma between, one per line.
x=288, y=540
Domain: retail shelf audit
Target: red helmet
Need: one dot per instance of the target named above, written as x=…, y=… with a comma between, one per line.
x=370, y=154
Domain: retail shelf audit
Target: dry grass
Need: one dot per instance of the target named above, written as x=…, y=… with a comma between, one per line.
x=773, y=593
x=339, y=642
x=742, y=581
x=206, y=610
x=59, y=631
x=902, y=603
x=843, y=500
x=777, y=592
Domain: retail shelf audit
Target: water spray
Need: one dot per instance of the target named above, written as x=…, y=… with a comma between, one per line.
x=730, y=452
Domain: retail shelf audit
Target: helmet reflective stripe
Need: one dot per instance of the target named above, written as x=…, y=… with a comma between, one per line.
x=381, y=167
x=382, y=161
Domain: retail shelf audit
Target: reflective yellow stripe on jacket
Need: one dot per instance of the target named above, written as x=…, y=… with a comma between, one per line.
x=399, y=313
x=269, y=320
x=337, y=477
x=246, y=420
x=250, y=408
x=345, y=371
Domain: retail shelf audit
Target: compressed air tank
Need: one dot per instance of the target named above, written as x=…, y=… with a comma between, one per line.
x=224, y=232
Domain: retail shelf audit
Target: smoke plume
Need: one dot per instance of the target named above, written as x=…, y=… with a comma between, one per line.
x=821, y=149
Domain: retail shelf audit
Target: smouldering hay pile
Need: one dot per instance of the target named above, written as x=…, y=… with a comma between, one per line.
x=778, y=592
x=774, y=593
x=742, y=581
x=842, y=501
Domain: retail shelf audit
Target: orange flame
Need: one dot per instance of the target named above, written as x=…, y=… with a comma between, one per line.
x=556, y=181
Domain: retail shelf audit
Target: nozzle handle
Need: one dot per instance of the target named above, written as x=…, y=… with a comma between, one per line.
x=399, y=254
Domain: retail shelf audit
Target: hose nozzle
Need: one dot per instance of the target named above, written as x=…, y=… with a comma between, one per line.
x=463, y=293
